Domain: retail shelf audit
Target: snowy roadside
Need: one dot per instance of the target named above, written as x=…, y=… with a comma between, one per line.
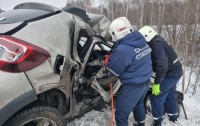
x=191, y=104
x=102, y=118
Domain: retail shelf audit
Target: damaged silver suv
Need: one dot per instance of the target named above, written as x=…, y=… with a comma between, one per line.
x=51, y=64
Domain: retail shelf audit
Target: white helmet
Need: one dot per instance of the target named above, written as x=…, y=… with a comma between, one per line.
x=148, y=33
x=119, y=28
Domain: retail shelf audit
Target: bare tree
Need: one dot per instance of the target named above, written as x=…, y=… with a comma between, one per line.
x=126, y=7
x=178, y=21
x=141, y=3
x=152, y=12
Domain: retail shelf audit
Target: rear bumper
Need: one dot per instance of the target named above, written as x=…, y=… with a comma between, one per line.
x=15, y=93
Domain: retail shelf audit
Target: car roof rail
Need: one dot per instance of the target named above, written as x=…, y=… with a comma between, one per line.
x=36, y=6
x=78, y=12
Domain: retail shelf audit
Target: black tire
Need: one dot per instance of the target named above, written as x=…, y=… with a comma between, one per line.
x=38, y=115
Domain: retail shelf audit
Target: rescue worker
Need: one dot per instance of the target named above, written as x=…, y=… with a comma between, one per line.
x=168, y=71
x=130, y=61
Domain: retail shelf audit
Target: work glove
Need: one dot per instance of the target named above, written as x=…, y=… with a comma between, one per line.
x=106, y=59
x=156, y=89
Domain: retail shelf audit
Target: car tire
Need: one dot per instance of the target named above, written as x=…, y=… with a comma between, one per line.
x=39, y=115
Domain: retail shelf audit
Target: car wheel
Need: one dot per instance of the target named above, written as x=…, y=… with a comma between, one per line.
x=37, y=116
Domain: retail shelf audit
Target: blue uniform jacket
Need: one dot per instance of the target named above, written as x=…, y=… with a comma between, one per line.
x=130, y=59
x=165, y=61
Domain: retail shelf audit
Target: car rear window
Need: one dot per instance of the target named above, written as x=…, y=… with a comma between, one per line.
x=20, y=15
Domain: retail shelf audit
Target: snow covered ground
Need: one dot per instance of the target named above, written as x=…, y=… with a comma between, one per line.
x=191, y=104
x=102, y=118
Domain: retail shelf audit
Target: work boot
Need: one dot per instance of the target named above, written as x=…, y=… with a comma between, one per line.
x=172, y=119
x=156, y=123
x=139, y=124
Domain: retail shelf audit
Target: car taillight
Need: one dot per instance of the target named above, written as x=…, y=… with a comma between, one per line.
x=19, y=56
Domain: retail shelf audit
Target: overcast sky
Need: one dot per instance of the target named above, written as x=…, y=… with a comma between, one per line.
x=9, y=4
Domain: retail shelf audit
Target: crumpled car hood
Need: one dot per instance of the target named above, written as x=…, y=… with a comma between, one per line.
x=100, y=24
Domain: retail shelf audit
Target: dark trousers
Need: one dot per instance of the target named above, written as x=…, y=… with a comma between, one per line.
x=167, y=99
x=130, y=99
